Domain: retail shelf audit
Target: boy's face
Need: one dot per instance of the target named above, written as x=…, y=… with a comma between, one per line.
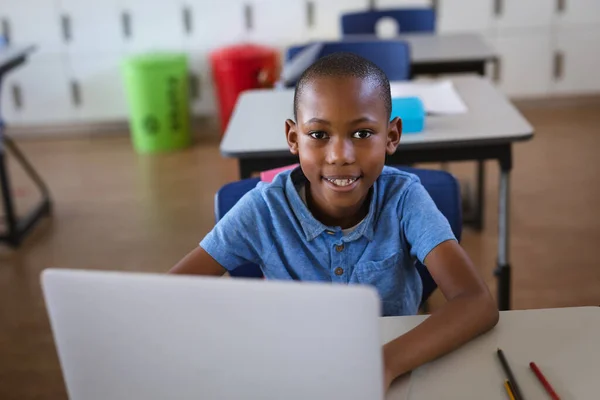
x=341, y=136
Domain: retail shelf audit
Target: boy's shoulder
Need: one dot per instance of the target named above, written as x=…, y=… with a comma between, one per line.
x=395, y=180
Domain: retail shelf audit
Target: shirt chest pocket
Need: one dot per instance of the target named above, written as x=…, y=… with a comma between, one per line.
x=387, y=277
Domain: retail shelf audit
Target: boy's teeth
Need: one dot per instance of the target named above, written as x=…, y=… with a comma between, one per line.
x=342, y=182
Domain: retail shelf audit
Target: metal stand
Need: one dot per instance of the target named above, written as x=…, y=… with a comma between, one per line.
x=17, y=228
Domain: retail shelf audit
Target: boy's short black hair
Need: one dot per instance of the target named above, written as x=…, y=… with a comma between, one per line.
x=344, y=64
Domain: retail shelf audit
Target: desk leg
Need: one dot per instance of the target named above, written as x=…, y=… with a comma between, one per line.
x=245, y=168
x=12, y=236
x=479, y=208
x=503, y=270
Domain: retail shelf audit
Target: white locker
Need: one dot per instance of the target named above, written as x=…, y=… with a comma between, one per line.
x=214, y=24
x=33, y=22
x=277, y=23
x=576, y=12
x=325, y=21
x=202, y=96
x=465, y=15
x=158, y=27
x=525, y=64
x=9, y=106
x=402, y=3
x=100, y=86
x=93, y=30
x=44, y=88
x=524, y=14
x=576, y=65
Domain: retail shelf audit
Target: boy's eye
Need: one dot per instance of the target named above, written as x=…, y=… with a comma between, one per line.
x=318, y=135
x=362, y=134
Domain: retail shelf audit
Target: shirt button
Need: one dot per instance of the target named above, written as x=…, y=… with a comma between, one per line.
x=339, y=271
x=330, y=232
x=339, y=248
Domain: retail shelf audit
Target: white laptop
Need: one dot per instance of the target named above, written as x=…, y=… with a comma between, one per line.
x=146, y=336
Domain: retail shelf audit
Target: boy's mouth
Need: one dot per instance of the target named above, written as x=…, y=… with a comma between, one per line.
x=341, y=182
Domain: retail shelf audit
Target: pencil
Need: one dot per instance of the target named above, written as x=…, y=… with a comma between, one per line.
x=508, y=391
x=543, y=381
x=510, y=376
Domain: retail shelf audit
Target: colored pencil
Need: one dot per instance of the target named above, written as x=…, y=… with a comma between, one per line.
x=508, y=390
x=543, y=381
x=511, y=378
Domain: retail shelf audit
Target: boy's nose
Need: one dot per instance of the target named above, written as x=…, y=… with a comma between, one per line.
x=340, y=152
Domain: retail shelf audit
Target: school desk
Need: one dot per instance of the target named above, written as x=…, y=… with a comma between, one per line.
x=563, y=342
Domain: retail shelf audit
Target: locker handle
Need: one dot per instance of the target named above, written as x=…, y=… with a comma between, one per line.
x=497, y=70
x=310, y=13
x=498, y=7
x=17, y=96
x=187, y=20
x=6, y=30
x=195, y=89
x=559, y=61
x=248, y=16
x=126, y=24
x=65, y=22
x=75, y=93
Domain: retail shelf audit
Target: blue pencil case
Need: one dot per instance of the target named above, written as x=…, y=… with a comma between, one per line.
x=411, y=111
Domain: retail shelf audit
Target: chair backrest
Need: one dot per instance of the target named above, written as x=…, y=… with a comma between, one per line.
x=393, y=57
x=408, y=20
x=441, y=186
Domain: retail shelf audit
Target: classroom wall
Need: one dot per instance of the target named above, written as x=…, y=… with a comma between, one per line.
x=546, y=47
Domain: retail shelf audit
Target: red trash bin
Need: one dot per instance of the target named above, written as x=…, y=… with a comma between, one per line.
x=238, y=68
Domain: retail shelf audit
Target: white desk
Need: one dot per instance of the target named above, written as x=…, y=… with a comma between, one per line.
x=255, y=135
x=562, y=342
x=433, y=53
x=256, y=127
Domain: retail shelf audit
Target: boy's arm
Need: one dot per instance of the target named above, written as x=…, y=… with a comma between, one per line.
x=470, y=310
x=198, y=262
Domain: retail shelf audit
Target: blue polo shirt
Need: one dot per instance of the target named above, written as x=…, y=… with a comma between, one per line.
x=272, y=227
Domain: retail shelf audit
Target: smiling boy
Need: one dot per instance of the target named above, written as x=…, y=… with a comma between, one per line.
x=343, y=217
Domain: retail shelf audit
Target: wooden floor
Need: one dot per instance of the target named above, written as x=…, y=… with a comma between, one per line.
x=116, y=210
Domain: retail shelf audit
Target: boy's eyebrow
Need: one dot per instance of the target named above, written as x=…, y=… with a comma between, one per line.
x=318, y=121
x=353, y=122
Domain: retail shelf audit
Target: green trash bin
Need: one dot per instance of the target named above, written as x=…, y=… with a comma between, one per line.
x=157, y=92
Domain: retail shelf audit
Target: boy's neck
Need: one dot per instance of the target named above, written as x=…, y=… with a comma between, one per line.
x=344, y=218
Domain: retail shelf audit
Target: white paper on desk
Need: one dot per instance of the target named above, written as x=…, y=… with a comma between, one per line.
x=438, y=97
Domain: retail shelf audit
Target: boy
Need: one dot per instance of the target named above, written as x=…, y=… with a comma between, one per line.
x=344, y=217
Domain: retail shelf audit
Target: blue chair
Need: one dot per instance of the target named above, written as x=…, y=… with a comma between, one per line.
x=393, y=57
x=408, y=19
x=441, y=186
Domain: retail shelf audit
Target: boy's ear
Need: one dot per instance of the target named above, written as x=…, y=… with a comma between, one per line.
x=291, y=134
x=394, y=133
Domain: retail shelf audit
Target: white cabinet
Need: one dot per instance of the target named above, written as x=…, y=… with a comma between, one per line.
x=153, y=27
x=325, y=21
x=525, y=64
x=577, y=64
x=277, y=23
x=100, y=86
x=464, y=15
x=33, y=22
x=576, y=12
x=213, y=24
x=43, y=87
x=10, y=108
x=202, y=96
x=402, y=3
x=525, y=14
x=94, y=31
